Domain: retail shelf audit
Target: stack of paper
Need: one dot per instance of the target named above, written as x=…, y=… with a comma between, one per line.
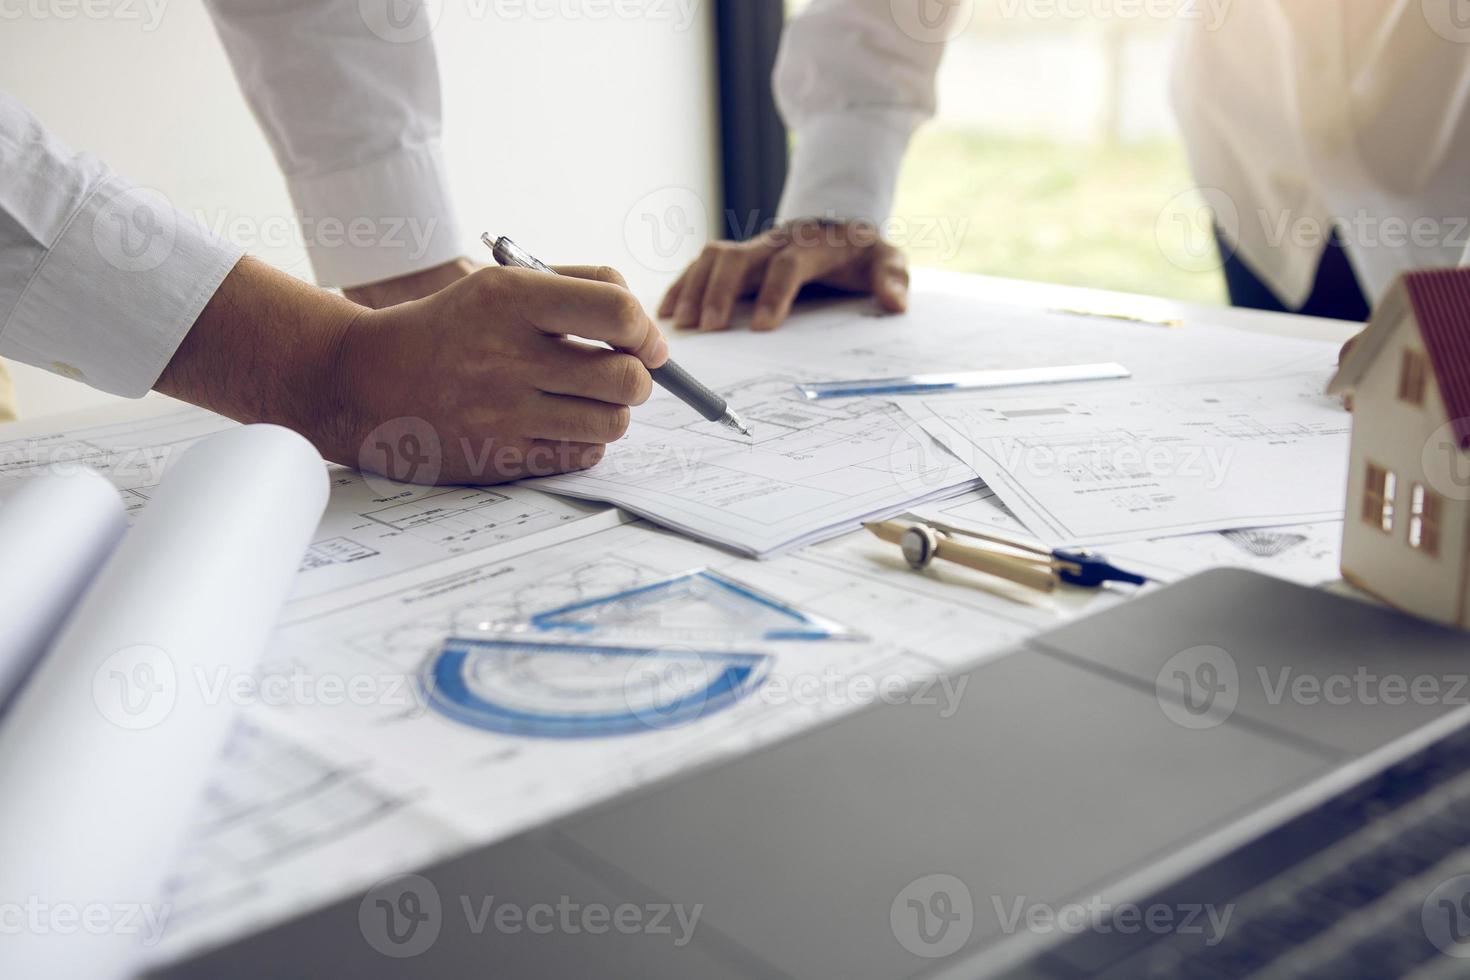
x=1216, y=429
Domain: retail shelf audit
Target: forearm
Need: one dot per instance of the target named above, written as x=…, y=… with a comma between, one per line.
x=264, y=349
x=852, y=80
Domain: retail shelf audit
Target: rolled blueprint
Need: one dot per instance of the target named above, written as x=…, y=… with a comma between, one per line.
x=55, y=532
x=105, y=752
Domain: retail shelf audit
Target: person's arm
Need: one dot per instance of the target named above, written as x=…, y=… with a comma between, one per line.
x=349, y=99
x=107, y=283
x=854, y=78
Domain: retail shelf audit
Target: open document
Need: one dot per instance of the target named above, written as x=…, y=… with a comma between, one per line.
x=1084, y=466
x=817, y=468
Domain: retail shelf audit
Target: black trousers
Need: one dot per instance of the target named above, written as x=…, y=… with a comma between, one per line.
x=1336, y=292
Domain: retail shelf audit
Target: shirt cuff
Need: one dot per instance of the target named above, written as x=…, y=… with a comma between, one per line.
x=381, y=220
x=845, y=165
x=117, y=291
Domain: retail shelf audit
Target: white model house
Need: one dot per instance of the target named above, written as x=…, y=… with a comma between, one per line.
x=1408, y=508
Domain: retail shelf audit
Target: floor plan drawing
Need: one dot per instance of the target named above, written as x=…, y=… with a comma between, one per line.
x=1092, y=466
x=372, y=526
x=808, y=472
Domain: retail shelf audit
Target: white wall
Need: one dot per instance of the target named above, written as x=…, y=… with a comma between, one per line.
x=576, y=135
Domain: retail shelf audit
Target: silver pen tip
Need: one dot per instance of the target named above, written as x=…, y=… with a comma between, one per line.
x=736, y=422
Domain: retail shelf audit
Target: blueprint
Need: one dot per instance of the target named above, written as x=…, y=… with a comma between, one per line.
x=1083, y=466
x=811, y=470
x=815, y=469
x=374, y=739
x=372, y=526
x=359, y=774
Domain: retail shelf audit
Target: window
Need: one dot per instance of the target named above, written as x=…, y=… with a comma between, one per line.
x=1378, y=497
x=1424, y=511
x=1413, y=372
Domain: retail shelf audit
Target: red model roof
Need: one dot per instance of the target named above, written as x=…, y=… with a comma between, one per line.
x=1441, y=301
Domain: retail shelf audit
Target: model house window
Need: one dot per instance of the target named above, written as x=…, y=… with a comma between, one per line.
x=1413, y=373
x=1378, y=497
x=1424, y=511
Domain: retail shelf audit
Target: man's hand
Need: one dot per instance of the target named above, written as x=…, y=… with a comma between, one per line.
x=479, y=375
x=774, y=267
x=415, y=285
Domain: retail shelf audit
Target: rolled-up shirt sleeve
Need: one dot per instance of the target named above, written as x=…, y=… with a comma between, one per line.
x=349, y=98
x=100, y=279
x=853, y=79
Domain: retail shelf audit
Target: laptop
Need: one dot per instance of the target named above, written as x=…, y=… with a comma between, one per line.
x=1233, y=776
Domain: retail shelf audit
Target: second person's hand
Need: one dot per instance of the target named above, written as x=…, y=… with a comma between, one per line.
x=775, y=266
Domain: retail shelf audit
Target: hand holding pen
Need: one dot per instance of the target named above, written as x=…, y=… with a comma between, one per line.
x=669, y=376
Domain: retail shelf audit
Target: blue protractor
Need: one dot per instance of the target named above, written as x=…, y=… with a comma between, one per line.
x=559, y=690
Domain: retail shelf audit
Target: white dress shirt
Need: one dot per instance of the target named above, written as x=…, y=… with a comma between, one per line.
x=100, y=279
x=1297, y=115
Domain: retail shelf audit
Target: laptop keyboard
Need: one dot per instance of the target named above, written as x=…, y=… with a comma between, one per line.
x=1355, y=907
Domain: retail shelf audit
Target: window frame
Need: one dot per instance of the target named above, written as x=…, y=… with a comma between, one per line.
x=753, y=141
x=1413, y=376
x=1379, y=490
x=1426, y=515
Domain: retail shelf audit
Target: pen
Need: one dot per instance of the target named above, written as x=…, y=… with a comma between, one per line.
x=670, y=377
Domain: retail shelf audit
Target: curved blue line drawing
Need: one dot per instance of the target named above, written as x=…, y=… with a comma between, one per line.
x=562, y=690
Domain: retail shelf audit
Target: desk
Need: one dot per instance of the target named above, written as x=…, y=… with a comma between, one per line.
x=329, y=795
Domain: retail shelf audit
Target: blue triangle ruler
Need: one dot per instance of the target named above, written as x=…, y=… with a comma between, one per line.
x=695, y=606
